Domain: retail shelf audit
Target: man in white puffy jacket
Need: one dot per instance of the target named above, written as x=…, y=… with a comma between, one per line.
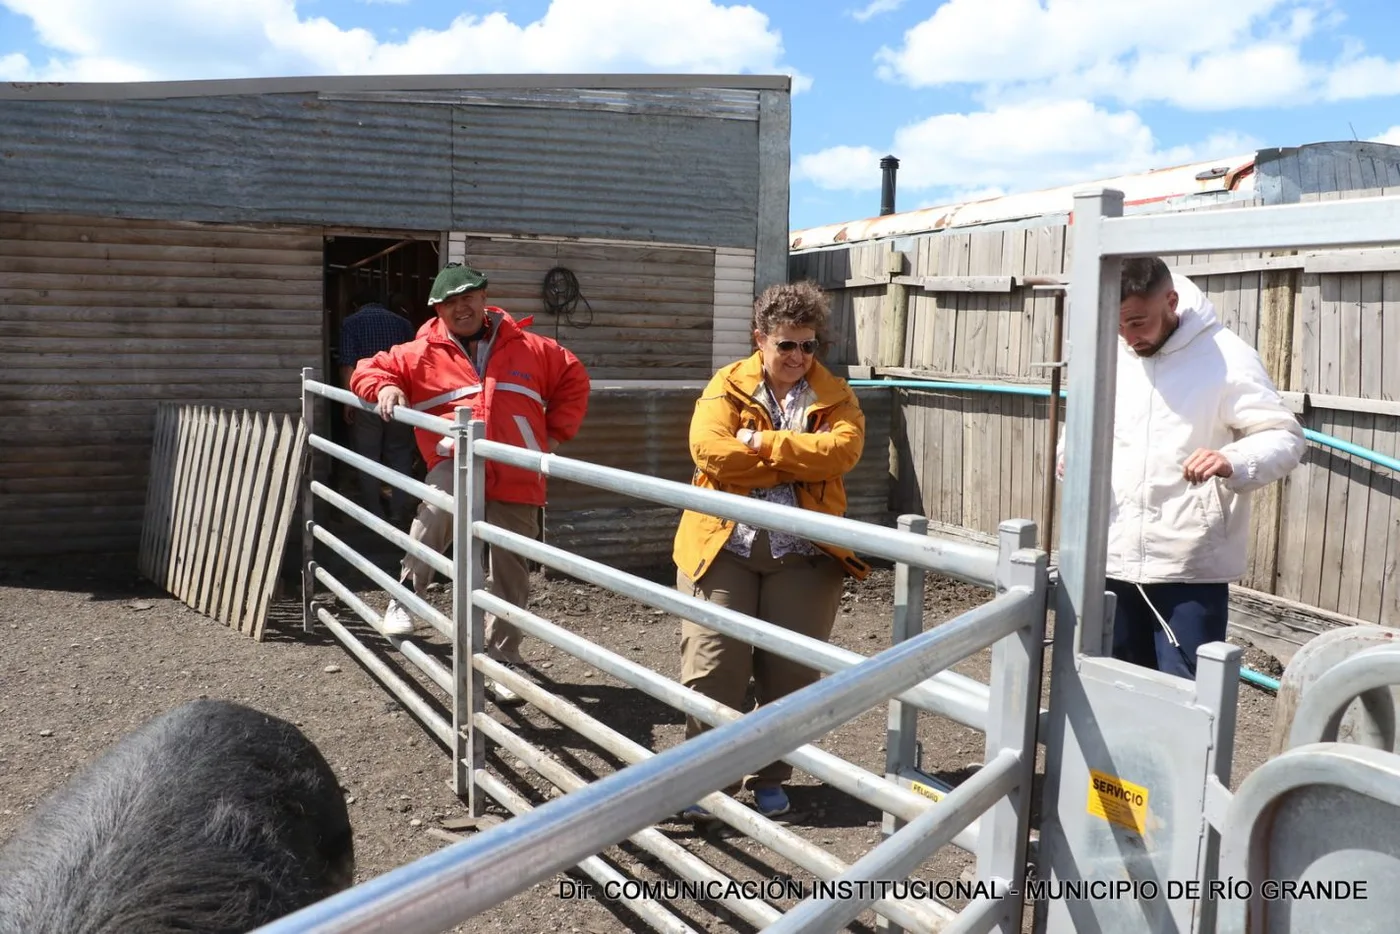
x=1198, y=426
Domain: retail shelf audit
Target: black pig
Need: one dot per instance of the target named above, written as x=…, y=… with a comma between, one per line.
x=210, y=818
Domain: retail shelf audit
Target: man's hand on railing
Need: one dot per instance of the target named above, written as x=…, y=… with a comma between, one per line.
x=389, y=398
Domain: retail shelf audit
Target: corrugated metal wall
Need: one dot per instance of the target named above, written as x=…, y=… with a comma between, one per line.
x=102, y=319
x=644, y=312
x=646, y=430
x=553, y=162
x=626, y=176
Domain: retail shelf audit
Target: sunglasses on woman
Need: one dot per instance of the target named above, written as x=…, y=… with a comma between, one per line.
x=808, y=347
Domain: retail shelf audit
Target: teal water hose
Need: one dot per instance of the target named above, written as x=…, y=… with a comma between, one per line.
x=1259, y=679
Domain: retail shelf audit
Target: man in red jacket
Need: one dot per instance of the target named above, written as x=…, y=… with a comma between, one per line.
x=530, y=392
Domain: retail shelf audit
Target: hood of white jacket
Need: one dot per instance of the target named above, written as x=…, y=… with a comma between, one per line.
x=1195, y=313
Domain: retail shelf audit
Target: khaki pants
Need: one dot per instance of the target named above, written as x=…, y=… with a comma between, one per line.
x=509, y=573
x=797, y=592
x=390, y=444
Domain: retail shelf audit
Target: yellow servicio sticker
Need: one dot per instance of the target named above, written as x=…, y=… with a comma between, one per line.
x=1117, y=801
x=928, y=792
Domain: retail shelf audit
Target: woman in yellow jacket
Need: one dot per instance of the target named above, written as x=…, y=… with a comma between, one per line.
x=777, y=426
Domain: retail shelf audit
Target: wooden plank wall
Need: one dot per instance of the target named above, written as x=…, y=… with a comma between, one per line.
x=1327, y=538
x=100, y=320
x=964, y=459
x=652, y=308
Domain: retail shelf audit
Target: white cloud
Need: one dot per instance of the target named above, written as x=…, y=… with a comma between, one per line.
x=853, y=168
x=875, y=8
x=175, y=39
x=1196, y=54
x=1017, y=147
x=1390, y=137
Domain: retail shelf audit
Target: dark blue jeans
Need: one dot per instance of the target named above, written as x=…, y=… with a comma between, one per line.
x=1197, y=614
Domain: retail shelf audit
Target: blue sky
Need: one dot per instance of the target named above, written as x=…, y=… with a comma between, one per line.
x=976, y=97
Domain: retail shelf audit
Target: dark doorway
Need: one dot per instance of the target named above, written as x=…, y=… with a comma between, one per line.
x=398, y=271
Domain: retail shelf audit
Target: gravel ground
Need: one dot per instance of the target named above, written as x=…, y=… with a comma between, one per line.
x=93, y=651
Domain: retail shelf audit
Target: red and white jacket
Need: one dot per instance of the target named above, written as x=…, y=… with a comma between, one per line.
x=533, y=391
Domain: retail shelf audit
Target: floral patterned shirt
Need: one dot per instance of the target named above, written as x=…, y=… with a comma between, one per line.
x=786, y=415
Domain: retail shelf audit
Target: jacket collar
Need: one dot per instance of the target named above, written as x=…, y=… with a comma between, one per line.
x=506, y=327
x=746, y=375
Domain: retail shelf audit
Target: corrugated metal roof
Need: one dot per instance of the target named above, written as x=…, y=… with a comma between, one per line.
x=1209, y=178
x=597, y=174
x=644, y=428
x=271, y=159
x=725, y=103
x=304, y=84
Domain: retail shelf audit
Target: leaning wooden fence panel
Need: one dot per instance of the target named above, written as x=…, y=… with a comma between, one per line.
x=223, y=488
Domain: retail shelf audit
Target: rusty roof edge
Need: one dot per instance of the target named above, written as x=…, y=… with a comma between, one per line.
x=1154, y=185
x=304, y=84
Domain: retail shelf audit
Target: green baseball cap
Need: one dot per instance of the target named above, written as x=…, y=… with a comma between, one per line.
x=454, y=279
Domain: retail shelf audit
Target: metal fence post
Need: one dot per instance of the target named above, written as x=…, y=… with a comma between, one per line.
x=468, y=686
x=308, y=507
x=1082, y=623
x=1012, y=720
x=1217, y=689
x=902, y=727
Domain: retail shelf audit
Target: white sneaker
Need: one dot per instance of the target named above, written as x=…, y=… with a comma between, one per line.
x=398, y=621
x=503, y=694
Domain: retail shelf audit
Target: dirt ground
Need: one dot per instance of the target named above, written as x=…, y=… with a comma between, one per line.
x=93, y=651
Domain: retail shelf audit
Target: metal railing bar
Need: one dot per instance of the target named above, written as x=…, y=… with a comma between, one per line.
x=681, y=860
x=410, y=650
x=855, y=781
x=372, y=522
x=434, y=423
x=386, y=675
x=981, y=915
x=429, y=896
x=1358, y=222
x=648, y=910
x=918, y=916
x=943, y=695
x=965, y=561
x=390, y=476
x=903, y=852
x=393, y=588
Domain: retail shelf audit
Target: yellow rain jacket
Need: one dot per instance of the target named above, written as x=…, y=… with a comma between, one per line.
x=815, y=461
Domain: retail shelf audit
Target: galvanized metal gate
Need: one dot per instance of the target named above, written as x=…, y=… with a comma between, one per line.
x=986, y=815
x=1137, y=763
x=1135, y=800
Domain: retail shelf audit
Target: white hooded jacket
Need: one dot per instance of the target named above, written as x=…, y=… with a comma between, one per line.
x=1205, y=388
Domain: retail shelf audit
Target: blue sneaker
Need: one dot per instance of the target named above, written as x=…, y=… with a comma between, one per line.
x=771, y=801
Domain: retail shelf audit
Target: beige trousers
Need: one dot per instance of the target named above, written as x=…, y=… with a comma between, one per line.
x=509, y=574
x=797, y=592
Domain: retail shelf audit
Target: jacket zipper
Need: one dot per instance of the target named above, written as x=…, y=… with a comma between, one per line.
x=1142, y=497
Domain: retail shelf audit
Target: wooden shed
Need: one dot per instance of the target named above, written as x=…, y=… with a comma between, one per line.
x=946, y=294
x=198, y=242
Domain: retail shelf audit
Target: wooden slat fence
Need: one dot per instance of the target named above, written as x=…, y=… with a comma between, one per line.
x=1325, y=543
x=223, y=488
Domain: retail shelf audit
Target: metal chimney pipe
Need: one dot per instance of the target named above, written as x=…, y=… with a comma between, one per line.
x=888, y=166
